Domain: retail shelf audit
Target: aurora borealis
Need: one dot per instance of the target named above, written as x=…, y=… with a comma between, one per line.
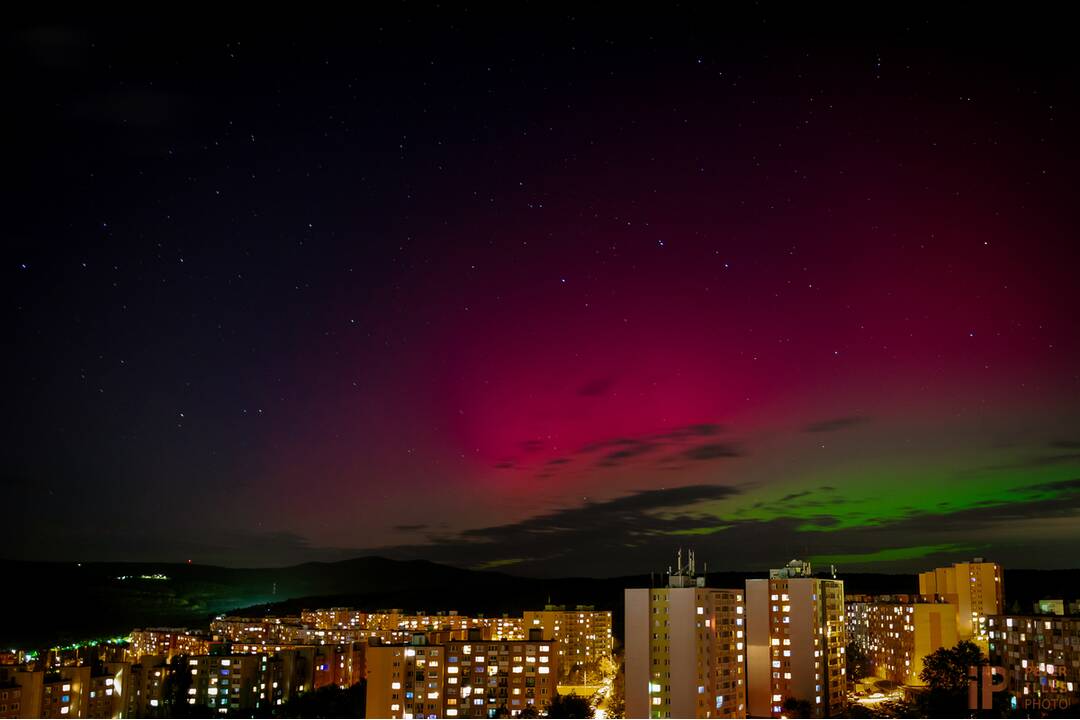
x=553, y=296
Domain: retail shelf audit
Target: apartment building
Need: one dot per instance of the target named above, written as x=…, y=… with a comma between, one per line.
x=897, y=636
x=685, y=648
x=796, y=640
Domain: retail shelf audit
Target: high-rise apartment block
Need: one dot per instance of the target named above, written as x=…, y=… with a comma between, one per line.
x=583, y=633
x=975, y=588
x=167, y=642
x=64, y=692
x=1041, y=657
x=897, y=636
x=472, y=678
x=685, y=649
x=796, y=640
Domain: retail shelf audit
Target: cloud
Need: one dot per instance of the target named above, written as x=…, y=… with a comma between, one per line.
x=1066, y=444
x=492, y=564
x=629, y=450
x=1036, y=461
x=712, y=451
x=410, y=528
x=596, y=388
x=692, y=431
x=1057, y=486
x=592, y=538
x=835, y=424
x=622, y=450
x=568, y=537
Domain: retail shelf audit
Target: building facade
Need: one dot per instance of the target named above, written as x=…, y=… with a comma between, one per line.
x=584, y=636
x=975, y=588
x=796, y=640
x=897, y=636
x=166, y=642
x=474, y=678
x=65, y=692
x=1041, y=657
x=685, y=649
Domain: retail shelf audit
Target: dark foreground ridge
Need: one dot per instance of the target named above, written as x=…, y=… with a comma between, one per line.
x=60, y=603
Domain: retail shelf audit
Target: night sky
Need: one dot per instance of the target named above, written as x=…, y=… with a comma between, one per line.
x=544, y=292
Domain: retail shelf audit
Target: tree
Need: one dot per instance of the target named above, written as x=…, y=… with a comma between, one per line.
x=607, y=667
x=945, y=672
x=328, y=702
x=798, y=708
x=530, y=711
x=174, y=691
x=570, y=706
x=858, y=662
x=616, y=700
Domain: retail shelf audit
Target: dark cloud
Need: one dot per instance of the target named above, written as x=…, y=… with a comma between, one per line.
x=532, y=445
x=1066, y=444
x=604, y=444
x=505, y=465
x=628, y=451
x=656, y=522
x=692, y=431
x=1061, y=486
x=1036, y=461
x=621, y=450
x=594, y=527
x=712, y=451
x=835, y=424
x=596, y=388
x=410, y=528
x=558, y=461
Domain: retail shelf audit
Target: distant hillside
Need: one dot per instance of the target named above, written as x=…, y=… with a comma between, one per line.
x=58, y=603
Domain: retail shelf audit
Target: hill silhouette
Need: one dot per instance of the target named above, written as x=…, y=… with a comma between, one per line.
x=59, y=603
